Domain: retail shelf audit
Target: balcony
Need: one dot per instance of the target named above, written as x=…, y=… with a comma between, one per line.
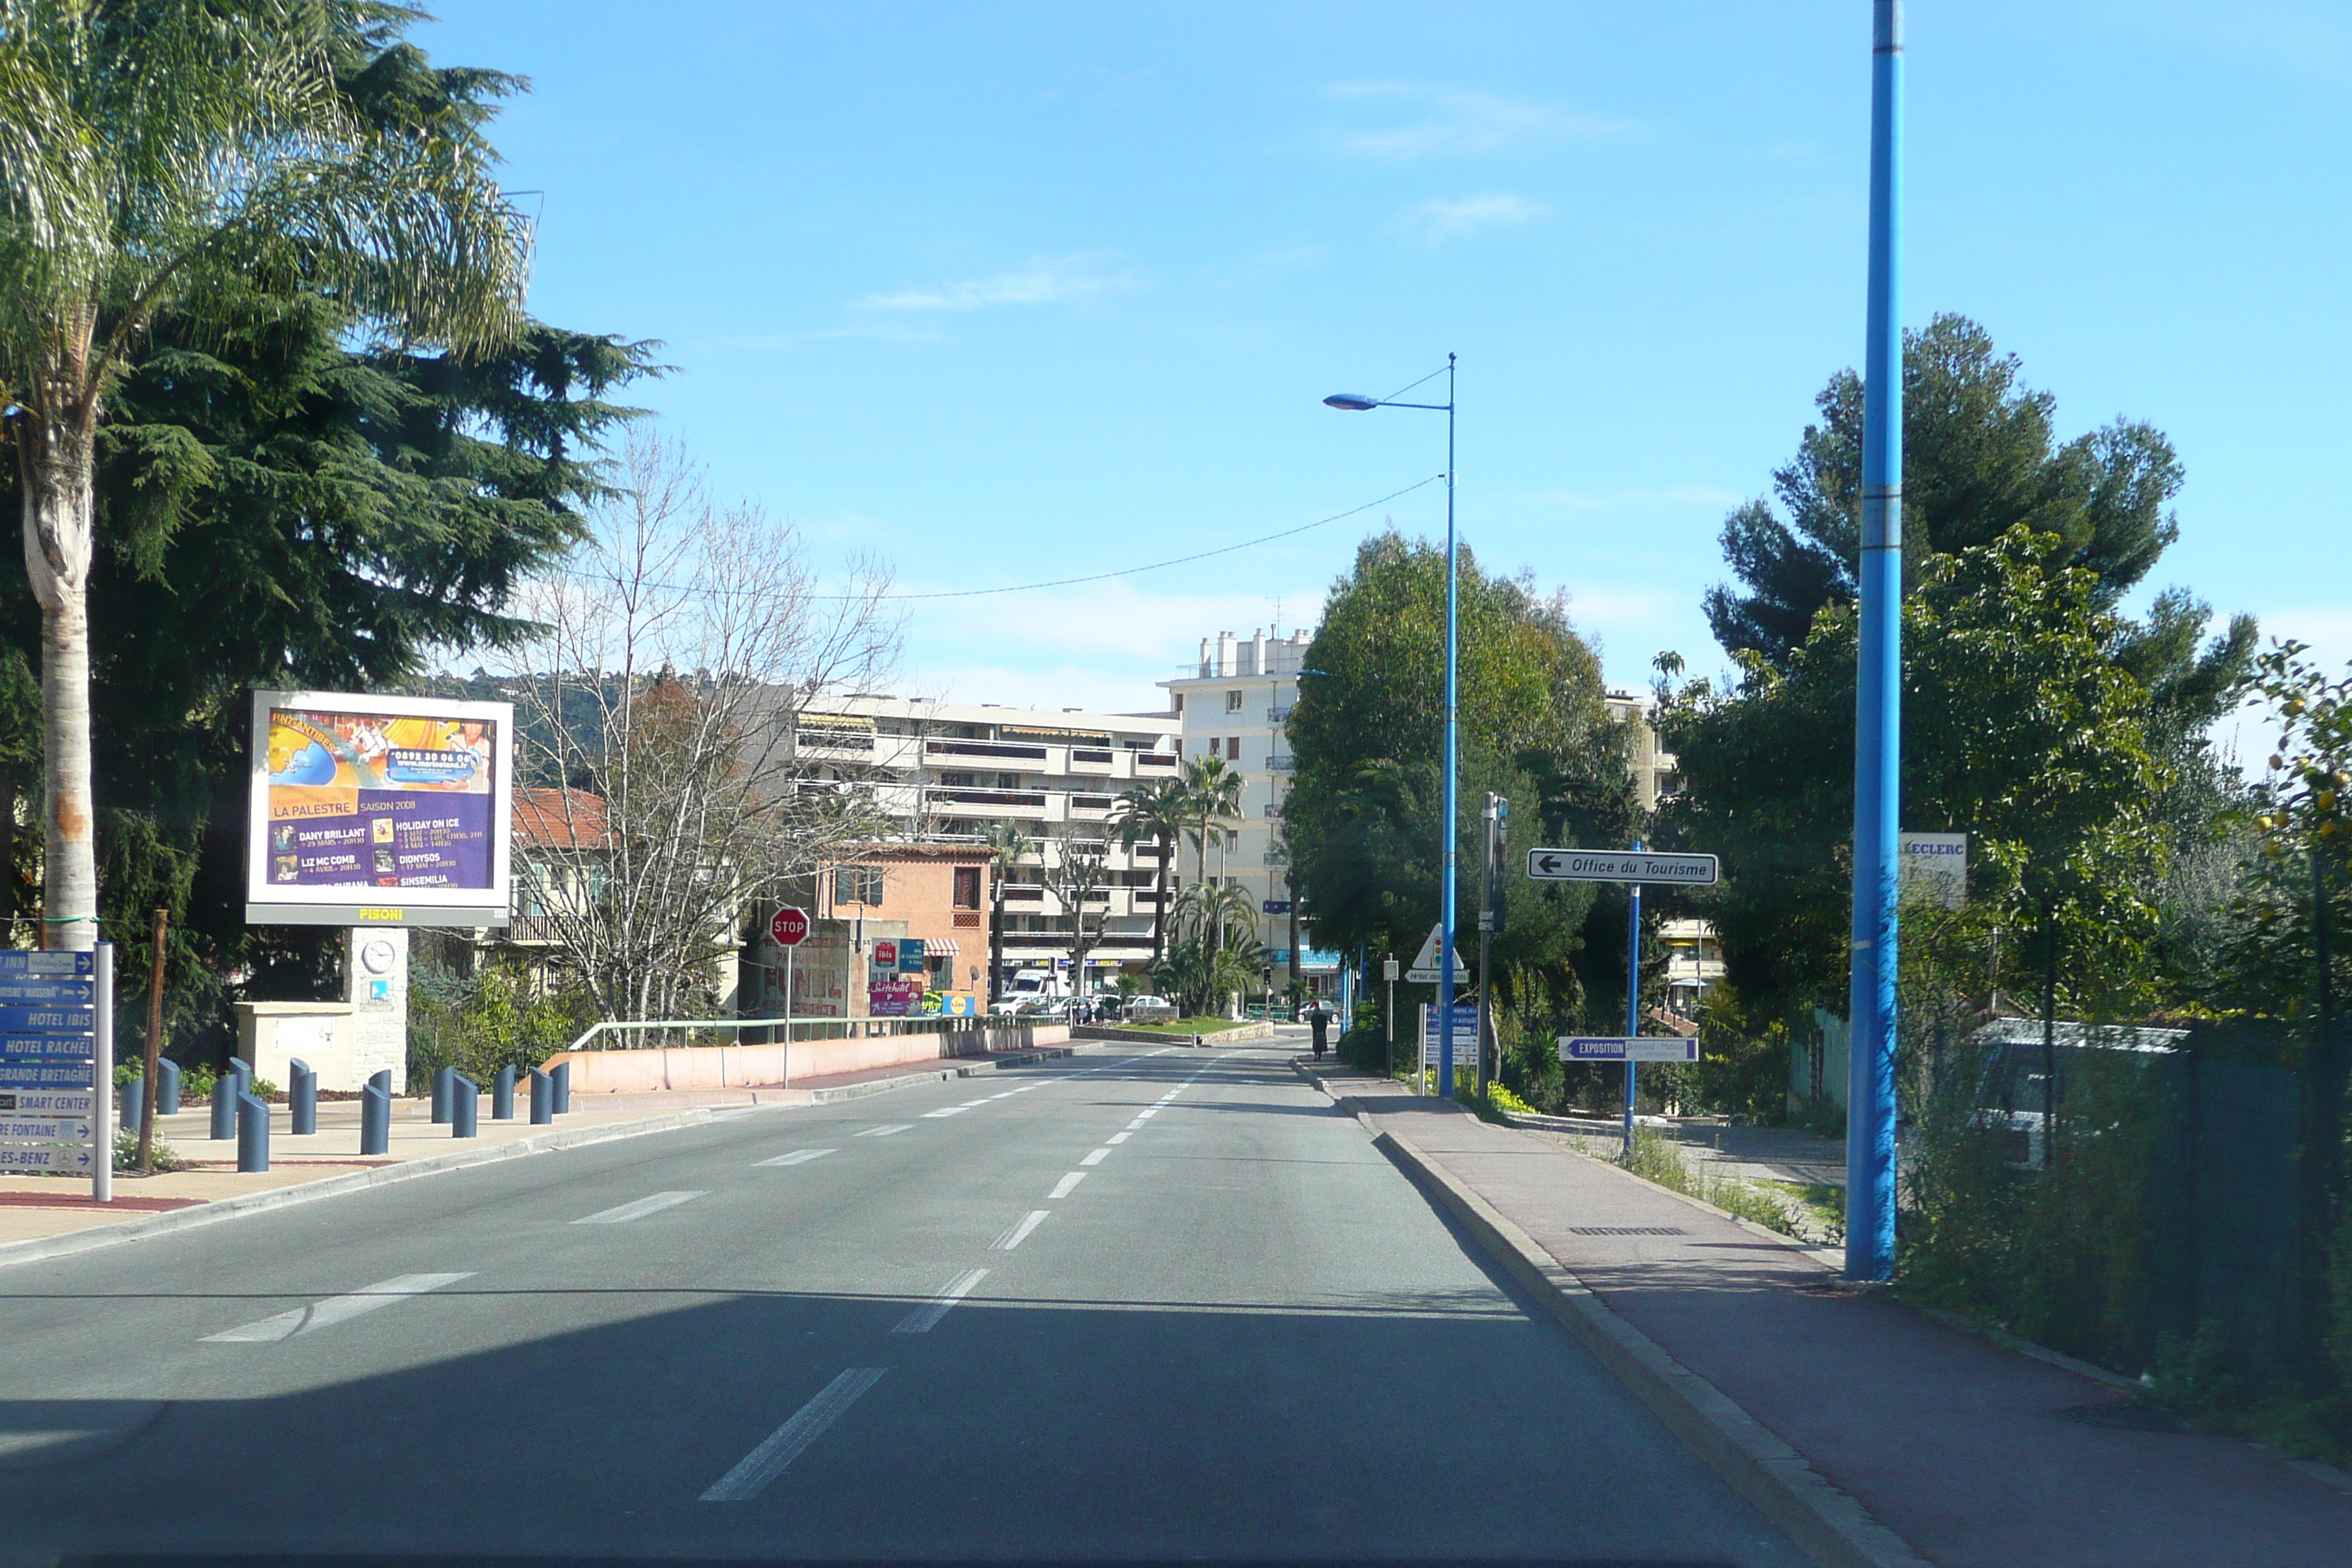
x=857, y=742
x=1274, y=811
x=984, y=749
x=1023, y=800
x=1278, y=764
x=1090, y=758
x=1161, y=761
x=1277, y=715
x=1023, y=892
x=1093, y=804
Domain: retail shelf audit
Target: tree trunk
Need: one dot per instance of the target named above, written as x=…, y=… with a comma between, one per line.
x=1160, y=903
x=58, y=448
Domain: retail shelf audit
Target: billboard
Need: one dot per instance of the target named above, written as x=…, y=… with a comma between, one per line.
x=371, y=810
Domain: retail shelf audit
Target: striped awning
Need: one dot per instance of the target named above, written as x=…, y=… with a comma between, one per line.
x=939, y=947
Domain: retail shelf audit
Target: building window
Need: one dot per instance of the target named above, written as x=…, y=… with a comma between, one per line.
x=1233, y=838
x=967, y=887
x=1008, y=780
x=1232, y=701
x=1233, y=748
x=857, y=885
x=1179, y=702
x=958, y=781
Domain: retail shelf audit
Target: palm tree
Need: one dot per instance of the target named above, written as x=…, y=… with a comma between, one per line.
x=1006, y=843
x=1214, y=798
x=1158, y=811
x=158, y=157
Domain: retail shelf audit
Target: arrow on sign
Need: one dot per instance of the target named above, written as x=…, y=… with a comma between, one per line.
x=1627, y=1048
x=1621, y=865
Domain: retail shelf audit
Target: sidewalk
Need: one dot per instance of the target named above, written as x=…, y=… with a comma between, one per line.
x=33, y=1208
x=1976, y=1456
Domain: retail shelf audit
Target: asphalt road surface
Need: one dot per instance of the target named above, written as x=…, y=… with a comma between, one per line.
x=1137, y=1304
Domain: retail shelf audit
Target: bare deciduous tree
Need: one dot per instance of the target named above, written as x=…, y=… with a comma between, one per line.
x=655, y=714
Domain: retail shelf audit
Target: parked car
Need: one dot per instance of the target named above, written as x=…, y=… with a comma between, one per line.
x=1147, y=1009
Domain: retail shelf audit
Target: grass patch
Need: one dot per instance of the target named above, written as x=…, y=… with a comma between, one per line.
x=1656, y=1159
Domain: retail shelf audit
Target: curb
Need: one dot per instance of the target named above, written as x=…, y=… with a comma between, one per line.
x=38, y=1248
x=1825, y=1523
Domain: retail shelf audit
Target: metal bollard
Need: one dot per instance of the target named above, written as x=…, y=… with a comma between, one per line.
x=442, y=1079
x=252, y=1134
x=167, y=1086
x=381, y=1079
x=463, y=1097
x=375, y=1116
x=244, y=1070
x=502, y=1094
x=134, y=1100
x=542, y=1099
x=302, y=1096
x=563, y=1077
x=224, y=1105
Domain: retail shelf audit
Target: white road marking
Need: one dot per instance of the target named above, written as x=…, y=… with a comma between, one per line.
x=926, y=1318
x=947, y=1111
x=1122, y=1137
x=883, y=1132
x=638, y=1210
x=334, y=1310
x=786, y=1443
x=1067, y=1185
x=797, y=1157
x=1094, y=1157
x=1146, y=1113
x=1020, y=1232
x=1008, y=1094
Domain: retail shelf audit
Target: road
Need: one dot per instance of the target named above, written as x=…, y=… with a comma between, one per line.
x=1139, y=1303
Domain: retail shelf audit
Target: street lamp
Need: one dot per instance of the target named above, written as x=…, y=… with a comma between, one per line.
x=1356, y=402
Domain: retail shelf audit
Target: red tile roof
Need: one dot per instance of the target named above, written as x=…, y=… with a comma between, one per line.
x=559, y=819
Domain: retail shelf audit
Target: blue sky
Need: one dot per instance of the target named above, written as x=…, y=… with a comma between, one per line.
x=1007, y=294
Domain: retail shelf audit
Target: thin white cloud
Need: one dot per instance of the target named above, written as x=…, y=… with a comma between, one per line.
x=1452, y=121
x=1049, y=281
x=1456, y=217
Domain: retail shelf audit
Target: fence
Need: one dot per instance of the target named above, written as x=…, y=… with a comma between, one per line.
x=2175, y=1218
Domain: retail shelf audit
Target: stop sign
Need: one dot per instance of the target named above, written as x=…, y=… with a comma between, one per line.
x=789, y=926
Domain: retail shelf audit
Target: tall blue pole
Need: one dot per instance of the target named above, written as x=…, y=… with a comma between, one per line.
x=1878, y=700
x=1452, y=669
x=1632, y=997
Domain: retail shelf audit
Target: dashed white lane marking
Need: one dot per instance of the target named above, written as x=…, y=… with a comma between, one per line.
x=638, y=1210
x=797, y=1157
x=1067, y=1185
x=1121, y=1137
x=1008, y=1094
x=334, y=1310
x=1146, y=1113
x=947, y=1110
x=926, y=1318
x=884, y=1131
x=786, y=1443
x=1094, y=1157
x=1019, y=1232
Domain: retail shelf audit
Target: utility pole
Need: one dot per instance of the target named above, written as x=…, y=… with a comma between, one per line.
x=1632, y=997
x=1496, y=808
x=1389, y=972
x=1878, y=693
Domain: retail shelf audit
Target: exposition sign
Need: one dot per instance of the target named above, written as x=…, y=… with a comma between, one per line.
x=370, y=810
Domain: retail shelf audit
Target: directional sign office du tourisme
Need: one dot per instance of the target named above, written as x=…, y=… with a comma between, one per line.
x=53, y=1029
x=1632, y=867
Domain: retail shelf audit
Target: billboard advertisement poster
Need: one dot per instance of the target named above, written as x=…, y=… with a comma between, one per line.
x=894, y=998
x=376, y=810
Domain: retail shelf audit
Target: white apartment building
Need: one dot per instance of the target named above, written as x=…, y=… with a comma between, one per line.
x=1233, y=702
x=1655, y=773
x=944, y=772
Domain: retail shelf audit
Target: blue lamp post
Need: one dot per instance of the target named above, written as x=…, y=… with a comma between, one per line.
x=1356, y=402
x=1878, y=693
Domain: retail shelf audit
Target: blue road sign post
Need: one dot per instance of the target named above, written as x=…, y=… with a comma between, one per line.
x=55, y=1093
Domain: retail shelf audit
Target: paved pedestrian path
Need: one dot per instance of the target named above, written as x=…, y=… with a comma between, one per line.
x=1977, y=1456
